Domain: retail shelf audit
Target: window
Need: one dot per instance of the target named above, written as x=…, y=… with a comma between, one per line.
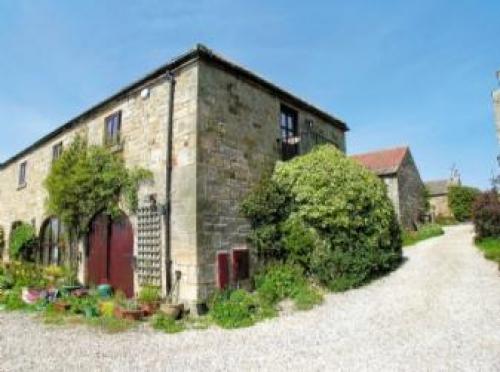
x=57, y=151
x=289, y=133
x=113, y=129
x=52, y=249
x=22, y=174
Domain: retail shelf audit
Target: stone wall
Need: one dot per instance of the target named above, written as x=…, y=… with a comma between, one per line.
x=238, y=125
x=439, y=206
x=391, y=182
x=411, y=193
x=144, y=134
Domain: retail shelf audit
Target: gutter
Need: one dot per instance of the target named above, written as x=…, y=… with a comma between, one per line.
x=168, y=179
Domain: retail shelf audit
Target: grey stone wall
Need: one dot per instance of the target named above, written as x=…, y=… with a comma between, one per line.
x=238, y=125
x=411, y=192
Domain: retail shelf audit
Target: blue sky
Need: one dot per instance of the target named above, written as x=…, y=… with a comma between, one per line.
x=418, y=73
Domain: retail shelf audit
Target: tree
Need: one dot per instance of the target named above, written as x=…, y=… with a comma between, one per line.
x=87, y=180
x=327, y=213
x=460, y=201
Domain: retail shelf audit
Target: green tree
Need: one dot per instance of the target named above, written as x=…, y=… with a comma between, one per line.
x=87, y=180
x=328, y=214
x=461, y=200
x=23, y=241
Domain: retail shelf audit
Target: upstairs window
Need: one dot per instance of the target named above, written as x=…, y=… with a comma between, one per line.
x=22, y=174
x=289, y=133
x=57, y=150
x=112, y=134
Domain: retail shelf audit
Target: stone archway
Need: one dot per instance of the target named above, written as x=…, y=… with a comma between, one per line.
x=54, y=247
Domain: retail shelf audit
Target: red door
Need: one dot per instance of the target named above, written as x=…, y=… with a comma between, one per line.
x=111, y=249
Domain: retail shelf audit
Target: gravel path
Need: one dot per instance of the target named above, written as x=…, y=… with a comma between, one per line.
x=439, y=311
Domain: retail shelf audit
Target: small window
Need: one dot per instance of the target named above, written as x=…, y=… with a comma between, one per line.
x=289, y=133
x=112, y=134
x=22, y=174
x=57, y=151
x=222, y=270
x=241, y=264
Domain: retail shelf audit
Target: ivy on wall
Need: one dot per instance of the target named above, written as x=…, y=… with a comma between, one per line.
x=86, y=180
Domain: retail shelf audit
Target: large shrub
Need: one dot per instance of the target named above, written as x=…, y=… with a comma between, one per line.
x=328, y=214
x=23, y=241
x=486, y=215
x=460, y=200
x=86, y=180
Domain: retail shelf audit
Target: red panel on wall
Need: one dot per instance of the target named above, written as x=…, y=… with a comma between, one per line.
x=241, y=264
x=98, y=251
x=222, y=270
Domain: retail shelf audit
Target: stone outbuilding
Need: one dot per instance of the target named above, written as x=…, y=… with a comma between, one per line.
x=207, y=129
x=437, y=191
x=405, y=188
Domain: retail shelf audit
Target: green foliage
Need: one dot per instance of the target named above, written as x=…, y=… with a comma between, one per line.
x=234, y=309
x=11, y=300
x=149, y=294
x=86, y=180
x=280, y=281
x=2, y=241
x=328, y=214
x=166, y=324
x=23, y=241
x=445, y=221
x=24, y=274
x=111, y=324
x=490, y=248
x=460, y=201
x=486, y=215
x=424, y=232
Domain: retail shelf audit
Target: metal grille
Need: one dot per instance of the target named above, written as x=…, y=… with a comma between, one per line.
x=149, y=244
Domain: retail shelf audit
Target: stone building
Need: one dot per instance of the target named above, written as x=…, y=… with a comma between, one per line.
x=397, y=169
x=207, y=129
x=438, y=195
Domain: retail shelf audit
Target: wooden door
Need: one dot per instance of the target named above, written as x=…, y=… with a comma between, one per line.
x=111, y=249
x=121, y=256
x=97, y=263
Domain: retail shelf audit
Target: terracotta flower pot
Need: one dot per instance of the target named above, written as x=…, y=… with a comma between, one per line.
x=150, y=308
x=129, y=314
x=61, y=306
x=172, y=310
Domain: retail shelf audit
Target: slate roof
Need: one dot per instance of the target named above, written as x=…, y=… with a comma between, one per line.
x=383, y=162
x=437, y=187
x=198, y=52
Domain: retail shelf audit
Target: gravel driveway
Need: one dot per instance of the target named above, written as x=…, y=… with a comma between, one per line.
x=439, y=311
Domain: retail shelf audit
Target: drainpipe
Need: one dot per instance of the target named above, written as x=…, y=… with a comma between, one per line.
x=168, y=179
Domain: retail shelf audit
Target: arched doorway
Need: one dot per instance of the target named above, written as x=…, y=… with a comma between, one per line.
x=53, y=248
x=111, y=253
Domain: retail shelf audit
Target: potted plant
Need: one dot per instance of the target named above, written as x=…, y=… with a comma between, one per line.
x=129, y=309
x=173, y=308
x=149, y=298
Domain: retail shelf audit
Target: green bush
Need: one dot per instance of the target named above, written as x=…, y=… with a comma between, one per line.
x=87, y=180
x=486, y=215
x=328, y=214
x=490, y=247
x=23, y=242
x=424, y=232
x=279, y=281
x=460, y=201
x=149, y=294
x=238, y=308
x=166, y=324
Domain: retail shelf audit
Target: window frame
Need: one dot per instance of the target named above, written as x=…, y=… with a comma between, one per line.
x=57, y=151
x=22, y=174
x=113, y=137
x=289, y=129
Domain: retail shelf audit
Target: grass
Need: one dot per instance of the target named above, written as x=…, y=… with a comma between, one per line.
x=490, y=248
x=166, y=324
x=425, y=232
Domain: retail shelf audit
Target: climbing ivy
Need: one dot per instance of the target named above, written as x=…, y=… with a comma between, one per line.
x=87, y=180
